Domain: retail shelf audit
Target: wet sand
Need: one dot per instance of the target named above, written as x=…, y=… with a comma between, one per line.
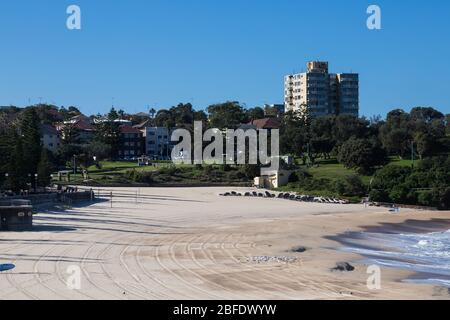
x=189, y=243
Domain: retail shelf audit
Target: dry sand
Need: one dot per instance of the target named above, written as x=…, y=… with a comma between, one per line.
x=189, y=243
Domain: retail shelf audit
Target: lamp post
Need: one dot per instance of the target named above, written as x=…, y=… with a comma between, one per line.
x=74, y=164
x=35, y=182
x=30, y=183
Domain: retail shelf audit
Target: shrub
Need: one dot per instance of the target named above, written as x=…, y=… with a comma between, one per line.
x=400, y=184
x=426, y=198
x=140, y=177
x=299, y=175
x=351, y=186
x=208, y=169
x=399, y=194
x=250, y=171
x=169, y=170
x=379, y=196
x=444, y=199
x=390, y=176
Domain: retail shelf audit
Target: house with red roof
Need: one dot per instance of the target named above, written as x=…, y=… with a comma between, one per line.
x=85, y=131
x=267, y=123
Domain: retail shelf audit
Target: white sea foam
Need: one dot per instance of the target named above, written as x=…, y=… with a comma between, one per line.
x=427, y=254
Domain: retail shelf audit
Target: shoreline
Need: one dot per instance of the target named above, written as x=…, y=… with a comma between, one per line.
x=393, y=255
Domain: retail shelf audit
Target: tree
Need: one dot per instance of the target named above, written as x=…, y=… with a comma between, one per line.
x=108, y=133
x=426, y=127
x=255, y=113
x=200, y=116
x=390, y=176
x=16, y=167
x=425, y=184
x=447, y=124
x=271, y=112
x=70, y=134
x=5, y=150
x=74, y=111
x=183, y=116
x=70, y=144
x=113, y=114
x=44, y=169
x=48, y=113
x=394, y=134
x=444, y=199
x=426, y=115
x=350, y=186
x=345, y=127
x=31, y=139
x=361, y=154
x=164, y=119
x=228, y=115
x=322, y=138
x=85, y=160
x=427, y=144
x=98, y=149
x=293, y=134
x=152, y=112
x=69, y=113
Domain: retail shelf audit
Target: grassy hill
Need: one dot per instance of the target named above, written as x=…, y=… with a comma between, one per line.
x=322, y=179
x=331, y=179
x=159, y=173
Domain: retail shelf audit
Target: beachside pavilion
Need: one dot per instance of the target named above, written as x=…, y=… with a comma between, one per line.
x=16, y=215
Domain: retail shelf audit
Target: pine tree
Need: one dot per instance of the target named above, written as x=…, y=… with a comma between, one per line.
x=44, y=169
x=109, y=134
x=5, y=151
x=16, y=168
x=31, y=139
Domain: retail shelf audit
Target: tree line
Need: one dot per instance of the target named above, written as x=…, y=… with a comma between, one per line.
x=362, y=144
x=24, y=164
x=365, y=144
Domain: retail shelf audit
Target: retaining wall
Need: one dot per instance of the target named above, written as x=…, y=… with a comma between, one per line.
x=16, y=215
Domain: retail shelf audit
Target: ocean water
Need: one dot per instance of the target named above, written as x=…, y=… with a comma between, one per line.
x=426, y=254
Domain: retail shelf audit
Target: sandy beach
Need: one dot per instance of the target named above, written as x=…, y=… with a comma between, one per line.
x=190, y=243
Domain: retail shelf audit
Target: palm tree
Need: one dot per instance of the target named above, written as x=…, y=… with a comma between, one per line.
x=152, y=112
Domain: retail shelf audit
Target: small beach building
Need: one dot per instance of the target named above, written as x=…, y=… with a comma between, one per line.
x=272, y=179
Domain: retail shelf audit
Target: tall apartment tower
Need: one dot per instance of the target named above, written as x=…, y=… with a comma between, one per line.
x=319, y=93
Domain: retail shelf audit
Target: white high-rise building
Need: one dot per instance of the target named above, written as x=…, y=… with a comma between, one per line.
x=319, y=93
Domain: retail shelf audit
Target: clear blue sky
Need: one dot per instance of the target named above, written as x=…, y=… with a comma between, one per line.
x=160, y=53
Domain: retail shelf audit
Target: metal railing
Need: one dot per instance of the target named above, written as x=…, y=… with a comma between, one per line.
x=132, y=196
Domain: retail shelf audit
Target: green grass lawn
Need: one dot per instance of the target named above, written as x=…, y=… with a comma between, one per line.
x=401, y=162
x=114, y=167
x=331, y=169
x=112, y=172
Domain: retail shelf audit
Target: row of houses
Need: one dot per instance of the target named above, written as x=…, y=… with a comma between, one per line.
x=135, y=141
